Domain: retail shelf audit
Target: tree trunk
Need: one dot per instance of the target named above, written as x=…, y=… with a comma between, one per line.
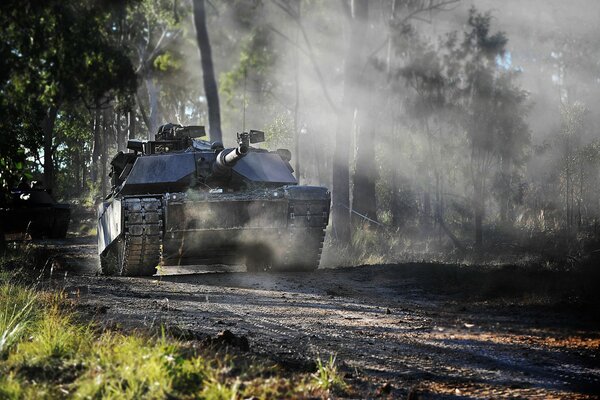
x=341, y=163
x=426, y=220
x=121, y=133
x=297, y=99
x=82, y=186
x=479, y=212
x=48, y=129
x=364, y=198
x=131, y=124
x=104, y=154
x=341, y=178
x=208, y=73
x=77, y=165
x=365, y=175
x=97, y=144
x=505, y=197
x=154, y=118
x=2, y=242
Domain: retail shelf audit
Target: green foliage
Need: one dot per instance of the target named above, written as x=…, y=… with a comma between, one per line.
x=280, y=132
x=157, y=36
x=167, y=62
x=253, y=69
x=251, y=82
x=57, y=53
x=73, y=156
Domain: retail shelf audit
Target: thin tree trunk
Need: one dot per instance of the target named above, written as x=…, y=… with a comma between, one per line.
x=396, y=203
x=297, y=99
x=104, y=154
x=208, y=73
x=154, y=117
x=48, y=129
x=341, y=163
x=505, y=196
x=364, y=199
x=341, y=178
x=77, y=164
x=131, y=124
x=84, y=172
x=426, y=221
x=121, y=133
x=479, y=211
x=97, y=146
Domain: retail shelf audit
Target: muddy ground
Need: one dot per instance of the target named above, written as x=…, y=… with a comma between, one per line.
x=424, y=330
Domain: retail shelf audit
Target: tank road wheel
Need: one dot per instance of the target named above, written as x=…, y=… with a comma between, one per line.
x=111, y=262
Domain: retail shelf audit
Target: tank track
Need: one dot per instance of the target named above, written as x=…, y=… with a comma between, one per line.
x=302, y=250
x=301, y=246
x=138, y=252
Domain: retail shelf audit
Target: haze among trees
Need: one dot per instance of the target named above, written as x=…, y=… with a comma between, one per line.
x=437, y=132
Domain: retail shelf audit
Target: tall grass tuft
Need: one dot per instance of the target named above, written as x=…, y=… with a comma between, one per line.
x=16, y=315
x=129, y=367
x=56, y=336
x=328, y=377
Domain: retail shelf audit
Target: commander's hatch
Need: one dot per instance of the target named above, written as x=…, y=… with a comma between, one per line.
x=176, y=139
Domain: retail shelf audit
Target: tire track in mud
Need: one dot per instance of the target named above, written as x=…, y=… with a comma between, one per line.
x=377, y=322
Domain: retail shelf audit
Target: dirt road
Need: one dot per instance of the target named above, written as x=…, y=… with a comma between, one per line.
x=383, y=323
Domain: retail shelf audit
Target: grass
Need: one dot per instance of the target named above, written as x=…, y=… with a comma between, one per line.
x=328, y=377
x=48, y=353
x=16, y=315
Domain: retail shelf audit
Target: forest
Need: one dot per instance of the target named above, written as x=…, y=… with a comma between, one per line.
x=436, y=131
x=458, y=139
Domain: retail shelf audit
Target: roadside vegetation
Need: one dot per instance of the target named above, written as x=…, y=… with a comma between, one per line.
x=49, y=351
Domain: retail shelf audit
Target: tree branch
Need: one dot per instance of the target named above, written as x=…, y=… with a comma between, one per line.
x=433, y=6
x=311, y=55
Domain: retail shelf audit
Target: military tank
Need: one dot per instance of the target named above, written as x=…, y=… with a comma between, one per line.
x=35, y=212
x=181, y=200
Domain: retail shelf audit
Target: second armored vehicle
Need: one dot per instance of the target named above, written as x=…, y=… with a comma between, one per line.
x=34, y=212
x=178, y=200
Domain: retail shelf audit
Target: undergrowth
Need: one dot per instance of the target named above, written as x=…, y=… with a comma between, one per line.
x=47, y=353
x=372, y=245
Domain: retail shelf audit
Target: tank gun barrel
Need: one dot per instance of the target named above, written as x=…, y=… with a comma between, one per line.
x=227, y=158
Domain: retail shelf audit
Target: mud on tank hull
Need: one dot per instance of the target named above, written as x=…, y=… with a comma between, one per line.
x=267, y=229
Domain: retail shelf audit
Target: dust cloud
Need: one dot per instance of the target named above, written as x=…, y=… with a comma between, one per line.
x=281, y=68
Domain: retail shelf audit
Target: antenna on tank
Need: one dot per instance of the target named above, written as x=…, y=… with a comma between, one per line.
x=244, y=102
